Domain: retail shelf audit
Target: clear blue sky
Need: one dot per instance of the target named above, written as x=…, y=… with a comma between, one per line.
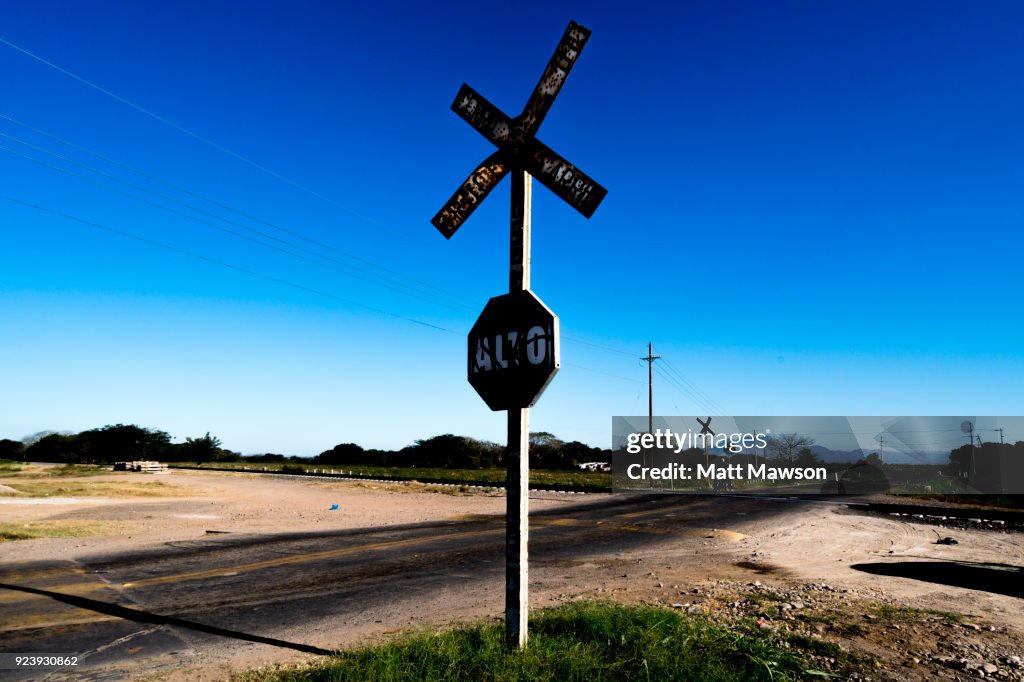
x=814, y=208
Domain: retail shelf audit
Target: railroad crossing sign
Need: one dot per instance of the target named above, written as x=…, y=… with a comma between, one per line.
x=705, y=427
x=513, y=351
x=517, y=147
x=513, y=347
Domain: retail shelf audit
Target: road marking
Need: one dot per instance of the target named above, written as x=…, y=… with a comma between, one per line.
x=300, y=558
x=227, y=571
x=25, y=610
x=74, y=589
x=33, y=622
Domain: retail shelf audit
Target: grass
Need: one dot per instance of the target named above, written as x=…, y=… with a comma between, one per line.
x=60, y=488
x=75, y=470
x=543, y=477
x=9, y=467
x=49, y=529
x=579, y=641
x=54, y=471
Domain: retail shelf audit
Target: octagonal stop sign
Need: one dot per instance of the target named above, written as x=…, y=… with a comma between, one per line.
x=513, y=351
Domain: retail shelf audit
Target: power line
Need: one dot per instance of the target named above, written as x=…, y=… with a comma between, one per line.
x=694, y=398
x=233, y=233
x=254, y=273
x=186, y=131
x=239, y=212
x=347, y=271
x=223, y=264
x=227, y=207
x=717, y=409
x=218, y=147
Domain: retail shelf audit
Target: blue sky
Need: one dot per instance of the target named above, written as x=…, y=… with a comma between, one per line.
x=814, y=208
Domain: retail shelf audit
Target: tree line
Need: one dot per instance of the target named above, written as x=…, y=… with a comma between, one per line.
x=114, y=443
x=120, y=443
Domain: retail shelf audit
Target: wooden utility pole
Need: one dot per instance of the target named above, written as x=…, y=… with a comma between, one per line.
x=517, y=480
x=651, y=357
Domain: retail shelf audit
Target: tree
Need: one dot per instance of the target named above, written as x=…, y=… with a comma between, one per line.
x=201, y=450
x=787, y=445
x=342, y=453
x=121, y=443
x=450, y=451
x=52, y=447
x=545, y=450
x=12, y=449
x=806, y=458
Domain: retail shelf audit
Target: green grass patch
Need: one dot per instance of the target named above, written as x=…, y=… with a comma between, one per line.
x=579, y=641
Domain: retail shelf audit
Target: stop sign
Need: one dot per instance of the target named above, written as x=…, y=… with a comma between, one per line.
x=513, y=351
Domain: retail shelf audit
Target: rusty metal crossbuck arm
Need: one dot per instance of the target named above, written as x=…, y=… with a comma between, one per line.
x=517, y=146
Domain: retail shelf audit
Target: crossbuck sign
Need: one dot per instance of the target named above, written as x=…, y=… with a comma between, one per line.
x=513, y=347
x=517, y=146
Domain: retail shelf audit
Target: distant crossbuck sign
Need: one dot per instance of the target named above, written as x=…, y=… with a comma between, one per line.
x=517, y=146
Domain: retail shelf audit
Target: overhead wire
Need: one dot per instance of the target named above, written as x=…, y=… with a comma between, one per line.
x=220, y=227
x=186, y=131
x=667, y=365
x=149, y=176
x=220, y=263
x=235, y=155
x=236, y=211
x=693, y=397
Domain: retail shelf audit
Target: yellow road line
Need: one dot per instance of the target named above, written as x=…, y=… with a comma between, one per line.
x=47, y=621
x=227, y=571
x=74, y=589
x=12, y=573
x=300, y=558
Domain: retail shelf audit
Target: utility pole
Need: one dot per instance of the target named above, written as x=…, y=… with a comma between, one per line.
x=651, y=357
x=517, y=479
x=1000, y=430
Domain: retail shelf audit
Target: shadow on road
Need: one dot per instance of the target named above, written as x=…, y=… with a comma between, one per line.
x=140, y=616
x=996, y=578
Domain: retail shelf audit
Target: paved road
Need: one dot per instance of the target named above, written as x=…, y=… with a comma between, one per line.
x=157, y=608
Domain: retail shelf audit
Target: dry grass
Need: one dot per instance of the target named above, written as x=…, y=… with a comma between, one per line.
x=410, y=487
x=55, y=471
x=52, y=529
x=73, y=488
